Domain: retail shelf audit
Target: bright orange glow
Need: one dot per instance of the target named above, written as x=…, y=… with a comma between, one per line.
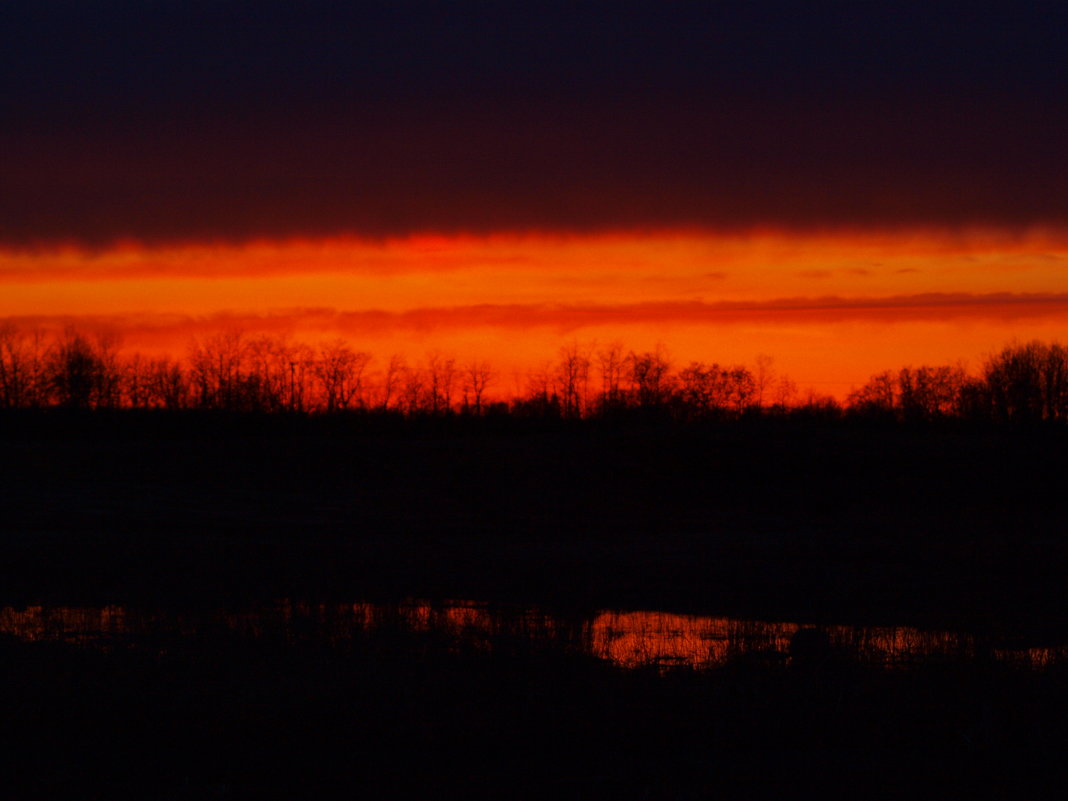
x=831, y=308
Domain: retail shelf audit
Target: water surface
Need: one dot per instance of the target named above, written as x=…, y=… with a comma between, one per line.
x=629, y=639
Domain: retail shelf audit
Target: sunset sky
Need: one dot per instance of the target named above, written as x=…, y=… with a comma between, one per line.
x=844, y=187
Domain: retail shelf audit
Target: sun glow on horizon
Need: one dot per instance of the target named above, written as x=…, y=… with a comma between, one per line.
x=831, y=307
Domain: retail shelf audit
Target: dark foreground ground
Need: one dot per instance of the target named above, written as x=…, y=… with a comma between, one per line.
x=813, y=521
x=398, y=715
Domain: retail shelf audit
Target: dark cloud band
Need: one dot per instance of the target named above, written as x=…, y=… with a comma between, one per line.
x=230, y=121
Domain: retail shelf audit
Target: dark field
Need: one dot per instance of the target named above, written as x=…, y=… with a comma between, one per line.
x=956, y=526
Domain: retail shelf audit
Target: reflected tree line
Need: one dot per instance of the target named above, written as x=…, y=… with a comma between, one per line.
x=238, y=373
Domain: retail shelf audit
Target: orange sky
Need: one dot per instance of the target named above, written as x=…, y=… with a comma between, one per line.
x=831, y=308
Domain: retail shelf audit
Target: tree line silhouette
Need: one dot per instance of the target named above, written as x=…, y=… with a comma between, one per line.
x=234, y=372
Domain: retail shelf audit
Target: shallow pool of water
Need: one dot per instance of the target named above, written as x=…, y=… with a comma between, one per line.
x=629, y=639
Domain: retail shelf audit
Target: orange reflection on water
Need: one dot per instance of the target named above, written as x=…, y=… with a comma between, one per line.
x=66, y=624
x=637, y=639
x=630, y=639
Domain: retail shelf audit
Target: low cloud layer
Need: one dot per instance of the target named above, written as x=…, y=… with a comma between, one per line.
x=567, y=318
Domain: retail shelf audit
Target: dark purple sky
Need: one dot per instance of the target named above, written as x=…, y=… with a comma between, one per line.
x=174, y=121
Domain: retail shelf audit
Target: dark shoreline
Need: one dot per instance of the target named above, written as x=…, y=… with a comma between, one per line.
x=941, y=525
x=400, y=714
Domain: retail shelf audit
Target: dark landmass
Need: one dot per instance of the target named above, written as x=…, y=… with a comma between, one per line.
x=952, y=524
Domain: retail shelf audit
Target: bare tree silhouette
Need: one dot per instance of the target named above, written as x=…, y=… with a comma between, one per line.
x=477, y=377
x=231, y=372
